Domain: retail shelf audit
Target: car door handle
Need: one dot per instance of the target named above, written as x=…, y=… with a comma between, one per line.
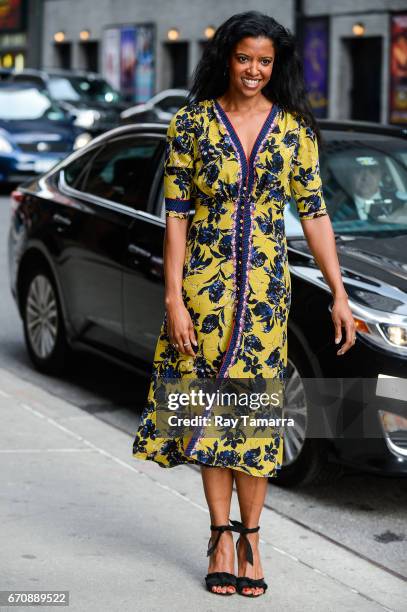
x=61, y=220
x=157, y=267
x=139, y=252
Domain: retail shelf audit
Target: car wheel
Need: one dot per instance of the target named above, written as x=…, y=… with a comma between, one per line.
x=305, y=461
x=44, y=329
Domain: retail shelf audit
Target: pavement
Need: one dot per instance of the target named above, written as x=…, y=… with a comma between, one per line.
x=79, y=513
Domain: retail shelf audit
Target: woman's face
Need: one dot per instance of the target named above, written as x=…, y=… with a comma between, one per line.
x=251, y=65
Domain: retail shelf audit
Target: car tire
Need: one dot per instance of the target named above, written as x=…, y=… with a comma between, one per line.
x=44, y=329
x=309, y=463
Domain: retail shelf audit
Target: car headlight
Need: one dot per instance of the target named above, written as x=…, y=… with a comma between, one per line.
x=5, y=146
x=395, y=334
x=81, y=140
x=86, y=118
x=389, y=336
x=395, y=431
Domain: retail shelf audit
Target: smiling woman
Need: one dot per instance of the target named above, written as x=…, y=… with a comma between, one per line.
x=235, y=153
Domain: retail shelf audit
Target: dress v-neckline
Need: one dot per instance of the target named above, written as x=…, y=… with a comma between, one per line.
x=234, y=135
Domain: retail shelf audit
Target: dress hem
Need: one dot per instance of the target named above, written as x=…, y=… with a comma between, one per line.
x=186, y=461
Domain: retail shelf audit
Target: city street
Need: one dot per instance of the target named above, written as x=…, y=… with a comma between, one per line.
x=82, y=521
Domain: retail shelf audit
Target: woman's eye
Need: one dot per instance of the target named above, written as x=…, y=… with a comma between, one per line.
x=241, y=58
x=266, y=62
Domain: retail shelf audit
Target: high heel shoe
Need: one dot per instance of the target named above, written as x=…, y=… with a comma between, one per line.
x=222, y=579
x=243, y=582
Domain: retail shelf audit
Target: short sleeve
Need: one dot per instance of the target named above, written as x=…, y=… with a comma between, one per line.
x=305, y=180
x=179, y=165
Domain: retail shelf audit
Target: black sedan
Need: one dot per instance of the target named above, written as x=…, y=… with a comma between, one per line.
x=86, y=270
x=88, y=97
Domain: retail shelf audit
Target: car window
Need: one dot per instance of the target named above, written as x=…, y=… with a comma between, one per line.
x=364, y=186
x=171, y=104
x=75, y=172
x=124, y=170
x=27, y=104
x=82, y=88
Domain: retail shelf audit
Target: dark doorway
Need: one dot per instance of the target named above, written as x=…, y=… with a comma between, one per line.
x=90, y=53
x=63, y=54
x=178, y=56
x=366, y=78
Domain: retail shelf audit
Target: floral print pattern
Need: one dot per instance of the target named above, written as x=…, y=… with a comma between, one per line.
x=236, y=280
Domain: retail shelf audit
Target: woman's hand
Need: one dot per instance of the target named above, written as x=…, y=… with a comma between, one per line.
x=342, y=317
x=180, y=328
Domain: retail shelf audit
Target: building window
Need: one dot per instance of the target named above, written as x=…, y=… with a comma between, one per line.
x=89, y=53
x=177, y=55
x=63, y=55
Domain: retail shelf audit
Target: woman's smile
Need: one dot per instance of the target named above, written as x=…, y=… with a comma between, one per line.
x=250, y=83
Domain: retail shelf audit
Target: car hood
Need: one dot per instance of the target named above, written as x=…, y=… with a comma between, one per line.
x=33, y=131
x=374, y=269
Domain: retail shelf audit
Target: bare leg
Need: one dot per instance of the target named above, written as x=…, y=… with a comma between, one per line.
x=218, y=487
x=251, y=492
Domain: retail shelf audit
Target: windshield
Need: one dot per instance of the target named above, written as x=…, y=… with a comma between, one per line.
x=365, y=185
x=74, y=89
x=27, y=104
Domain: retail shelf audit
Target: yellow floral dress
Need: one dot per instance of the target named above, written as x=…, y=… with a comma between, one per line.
x=236, y=280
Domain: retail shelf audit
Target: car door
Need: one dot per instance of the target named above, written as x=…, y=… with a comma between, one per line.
x=143, y=288
x=94, y=258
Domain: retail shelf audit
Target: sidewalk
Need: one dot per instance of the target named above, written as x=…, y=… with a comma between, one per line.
x=79, y=513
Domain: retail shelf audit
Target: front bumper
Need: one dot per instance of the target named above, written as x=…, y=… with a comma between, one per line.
x=354, y=427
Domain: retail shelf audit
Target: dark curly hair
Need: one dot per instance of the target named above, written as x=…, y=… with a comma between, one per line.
x=286, y=87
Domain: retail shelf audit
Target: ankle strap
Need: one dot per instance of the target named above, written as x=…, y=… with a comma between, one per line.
x=221, y=529
x=243, y=533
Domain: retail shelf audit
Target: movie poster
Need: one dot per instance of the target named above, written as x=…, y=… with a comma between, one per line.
x=144, y=72
x=316, y=61
x=398, y=69
x=111, y=57
x=128, y=60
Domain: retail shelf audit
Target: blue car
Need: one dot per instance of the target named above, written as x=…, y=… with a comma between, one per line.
x=35, y=133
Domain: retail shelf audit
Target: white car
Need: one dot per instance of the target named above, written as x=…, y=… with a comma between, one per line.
x=160, y=108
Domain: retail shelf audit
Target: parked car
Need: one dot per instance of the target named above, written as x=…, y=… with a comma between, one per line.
x=86, y=271
x=95, y=105
x=160, y=107
x=5, y=73
x=35, y=133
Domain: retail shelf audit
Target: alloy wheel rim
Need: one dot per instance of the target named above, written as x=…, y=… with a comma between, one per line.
x=42, y=316
x=295, y=407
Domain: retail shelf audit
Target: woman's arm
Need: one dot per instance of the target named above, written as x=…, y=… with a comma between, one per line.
x=321, y=240
x=179, y=323
x=178, y=180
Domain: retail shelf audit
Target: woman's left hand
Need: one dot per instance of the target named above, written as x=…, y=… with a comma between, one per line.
x=342, y=317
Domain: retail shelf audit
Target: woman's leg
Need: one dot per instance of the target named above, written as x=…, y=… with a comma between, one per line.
x=251, y=492
x=218, y=487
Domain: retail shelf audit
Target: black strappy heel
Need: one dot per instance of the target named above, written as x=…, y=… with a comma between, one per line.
x=243, y=582
x=220, y=578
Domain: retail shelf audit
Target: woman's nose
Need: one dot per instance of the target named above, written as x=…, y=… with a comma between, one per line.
x=253, y=70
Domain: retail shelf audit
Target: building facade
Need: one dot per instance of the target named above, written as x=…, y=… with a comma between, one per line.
x=354, y=51
x=350, y=50
x=165, y=39
x=20, y=33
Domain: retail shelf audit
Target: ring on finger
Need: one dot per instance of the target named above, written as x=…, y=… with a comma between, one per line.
x=187, y=343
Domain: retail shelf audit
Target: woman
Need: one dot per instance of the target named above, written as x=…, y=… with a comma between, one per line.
x=245, y=142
